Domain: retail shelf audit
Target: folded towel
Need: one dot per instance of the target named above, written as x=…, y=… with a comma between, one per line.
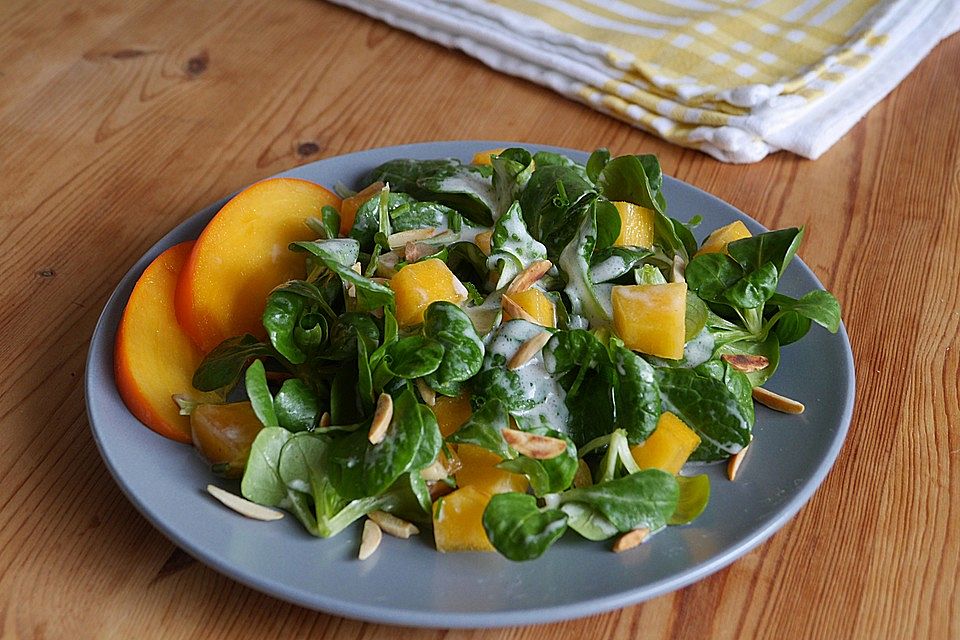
x=737, y=80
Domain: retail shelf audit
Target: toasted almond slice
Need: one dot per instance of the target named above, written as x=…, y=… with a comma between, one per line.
x=525, y=279
x=776, y=401
x=679, y=269
x=243, y=506
x=391, y=524
x=387, y=264
x=325, y=419
x=630, y=539
x=381, y=419
x=413, y=251
x=434, y=471
x=529, y=349
x=733, y=465
x=401, y=238
x=515, y=310
x=352, y=289
x=583, y=477
x=429, y=395
x=533, y=445
x=745, y=362
x=369, y=539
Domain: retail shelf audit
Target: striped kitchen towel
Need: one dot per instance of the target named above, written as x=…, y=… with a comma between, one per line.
x=735, y=79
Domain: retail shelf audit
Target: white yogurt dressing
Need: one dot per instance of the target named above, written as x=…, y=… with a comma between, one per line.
x=549, y=398
x=613, y=267
x=467, y=182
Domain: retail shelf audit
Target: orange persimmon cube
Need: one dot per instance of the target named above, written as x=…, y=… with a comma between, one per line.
x=483, y=157
x=636, y=225
x=451, y=413
x=458, y=521
x=538, y=305
x=350, y=206
x=421, y=283
x=668, y=447
x=717, y=241
x=483, y=241
x=478, y=469
x=650, y=317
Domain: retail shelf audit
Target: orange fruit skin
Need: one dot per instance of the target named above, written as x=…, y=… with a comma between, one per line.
x=153, y=357
x=242, y=255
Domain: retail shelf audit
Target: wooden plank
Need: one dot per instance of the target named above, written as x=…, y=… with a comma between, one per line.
x=120, y=119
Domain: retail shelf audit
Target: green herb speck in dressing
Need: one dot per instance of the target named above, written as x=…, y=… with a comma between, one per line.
x=548, y=396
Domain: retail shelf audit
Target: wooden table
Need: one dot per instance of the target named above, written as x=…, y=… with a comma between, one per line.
x=120, y=119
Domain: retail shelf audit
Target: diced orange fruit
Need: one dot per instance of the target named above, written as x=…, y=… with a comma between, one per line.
x=242, y=255
x=350, y=206
x=650, y=317
x=537, y=304
x=458, y=521
x=717, y=241
x=223, y=433
x=451, y=413
x=483, y=241
x=419, y=284
x=478, y=469
x=483, y=157
x=668, y=447
x=153, y=357
x=636, y=225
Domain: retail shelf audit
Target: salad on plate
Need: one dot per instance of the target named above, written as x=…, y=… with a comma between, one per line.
x=496, y=352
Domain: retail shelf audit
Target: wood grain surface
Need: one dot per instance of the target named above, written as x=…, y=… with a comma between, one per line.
x=120, y=118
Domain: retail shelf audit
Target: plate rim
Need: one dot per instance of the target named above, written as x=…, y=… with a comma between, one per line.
x=371, y=612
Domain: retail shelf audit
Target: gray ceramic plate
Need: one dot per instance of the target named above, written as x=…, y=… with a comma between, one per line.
x=407, y=582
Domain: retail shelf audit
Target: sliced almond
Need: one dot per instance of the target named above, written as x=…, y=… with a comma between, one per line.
x=401, y=238
x=434, y=471
x=441, y=468
x=352, y=289
x=746, y=362
x=515, y=310
x=630, y=539
x=733, y=465
x=381, y=419
x=243, y=506
x=429, y=395
x=583, y=477
x=533, y=445
x=391, y=524
x=413, y=251
x=325, y=419
x=776, y=401
x=528, y=350
x=387, y=264
x=369, y=539
x=679, y=269
x=526, y=278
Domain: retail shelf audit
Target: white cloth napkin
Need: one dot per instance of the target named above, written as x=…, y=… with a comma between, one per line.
x=736, y=80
